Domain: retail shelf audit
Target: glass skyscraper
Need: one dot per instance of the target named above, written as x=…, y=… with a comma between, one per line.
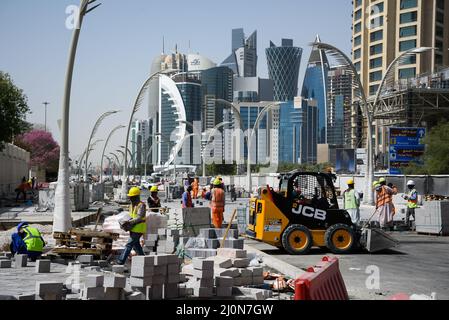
x=283, y=68
x=243, y=59
x=315, y=87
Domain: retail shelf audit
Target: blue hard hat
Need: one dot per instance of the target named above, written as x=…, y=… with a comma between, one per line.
x=24, y=223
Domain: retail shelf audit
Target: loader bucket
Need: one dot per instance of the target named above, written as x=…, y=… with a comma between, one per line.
x=374, y=240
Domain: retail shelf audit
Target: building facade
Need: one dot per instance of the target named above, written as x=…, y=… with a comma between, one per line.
x=283, y=69
x=243, y=59
x=315, y=87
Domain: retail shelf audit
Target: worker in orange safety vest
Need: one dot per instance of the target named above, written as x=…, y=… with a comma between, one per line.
x=217, y=203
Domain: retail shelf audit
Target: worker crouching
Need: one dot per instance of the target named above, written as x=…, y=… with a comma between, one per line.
x=217, y=203
x=136, y=226
x=27, y=240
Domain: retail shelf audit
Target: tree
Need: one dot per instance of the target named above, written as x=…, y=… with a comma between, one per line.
x=436, y=158
x=43, y=148
x=321, y=167
x=13, y=109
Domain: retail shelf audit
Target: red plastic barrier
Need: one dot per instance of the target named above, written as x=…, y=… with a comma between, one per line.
x=322, y=282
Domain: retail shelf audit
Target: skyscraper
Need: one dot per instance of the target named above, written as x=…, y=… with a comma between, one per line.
x=243, y=59
x=315, y=87
x=382, y=30
x=283, y=69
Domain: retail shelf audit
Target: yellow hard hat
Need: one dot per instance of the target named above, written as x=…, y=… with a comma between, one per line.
x=217, y=182
x=375, y=183
x=350, y=181
x=134, y=192
x=154, y=189
x=382, y=180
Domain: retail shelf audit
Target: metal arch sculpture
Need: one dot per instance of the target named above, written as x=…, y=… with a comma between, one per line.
x=359, y=93
x=168, y=85
x=105, y=145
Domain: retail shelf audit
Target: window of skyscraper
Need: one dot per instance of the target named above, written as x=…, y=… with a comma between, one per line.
x=377, y=49
x=375, y=76
x=358, y=27
x=357, y=54
x=375, y=63
x=357, y=40
x=358, y=3
x=407, y=45
x=439, y=31
x=377, y=35
x=358, y=15
x=357, y=66
x=407, y=73
x=377, y=22
x=440, y=4
x=440, y=17
x=408, y=60
x=407, y=4
x=373, y=89
x=409, y=17
x=407, y=31
x=438, y=59
x=439, y=45
x=377, y=8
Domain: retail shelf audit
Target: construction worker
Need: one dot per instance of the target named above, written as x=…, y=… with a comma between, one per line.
x=412, y=203
x=137, y=226
x=384, y=203
x=153, y=199
x=351, y=201
x=187, y=198
x=195, y=188
x=217, y=203
x=31, y=237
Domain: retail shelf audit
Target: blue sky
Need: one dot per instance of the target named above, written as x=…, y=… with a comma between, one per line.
x=120, y=39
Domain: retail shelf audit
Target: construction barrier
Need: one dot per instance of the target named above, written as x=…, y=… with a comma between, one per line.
x=322, y=282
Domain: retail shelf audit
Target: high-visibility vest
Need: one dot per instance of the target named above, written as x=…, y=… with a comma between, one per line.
x=33, y=239
x=412, y=204
x=350, y=201
x=383, y=197
x=134, y=213
x=218, y=198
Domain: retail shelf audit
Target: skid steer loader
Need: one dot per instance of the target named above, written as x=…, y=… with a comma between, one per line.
x=304, y=213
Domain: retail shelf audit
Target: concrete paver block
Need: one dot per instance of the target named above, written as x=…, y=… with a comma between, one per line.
x=136, y=296
x=94, y=281
x=155, y=292
x=205, y=283
x=26, y=297
x=173, y=278
x=115, y=282
x=113, y=294
x=257, y=271
x=158, y=280
x=160, y=259
x=170, y=291
x=246, y=273
x=140, y=282
x=43, y=266
x=203, y=274
x=208, y=234
x=234, y=243
x=231, y=253
x=137, y=271
x=203, y=292
x=86, y=258
x=48, y=287
x=231, y=272
x=241, y=262
x=142, y=261
x=21, y=260
x=173, y=268
x=172, y=259
x=5, y=264
x=118, y=269
x=49, y=297
x=93, y=293
x=258, y=280
x=223, y=291
x=161, y=270
x=202, y=264
x=224, y=281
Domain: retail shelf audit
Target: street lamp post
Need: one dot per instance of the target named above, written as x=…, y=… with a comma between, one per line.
x=92, y=147
x=45, y=106
x=255, y=127
x=94, y=131
x=62, y=214
x=118, y=161
x=104, y=148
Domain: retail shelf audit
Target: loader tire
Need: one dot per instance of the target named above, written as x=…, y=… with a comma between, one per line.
x=340, y=238
x=297, y=239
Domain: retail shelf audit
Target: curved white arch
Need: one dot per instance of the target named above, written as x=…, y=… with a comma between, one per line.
x=169, y=86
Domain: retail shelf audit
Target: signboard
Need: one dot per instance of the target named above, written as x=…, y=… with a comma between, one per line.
x=406, y=146
x=361, y=161
x=346, y=161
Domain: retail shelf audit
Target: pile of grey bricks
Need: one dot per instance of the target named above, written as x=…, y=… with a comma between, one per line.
x=168, y=240
x=234, y=263
x=157, y=277
x=211, y=240
x=5, y=262
x=99, y=287
x=203, y=278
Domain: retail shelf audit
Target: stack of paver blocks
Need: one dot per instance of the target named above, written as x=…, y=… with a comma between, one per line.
x=212, y=241
x=168, y=240
x=158, y=276
x=114, y=287
x=235, y=264
x=150, y=243
x=49, y=290
x=203, y=274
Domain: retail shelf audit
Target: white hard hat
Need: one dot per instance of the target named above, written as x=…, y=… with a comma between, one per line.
x=411, y=183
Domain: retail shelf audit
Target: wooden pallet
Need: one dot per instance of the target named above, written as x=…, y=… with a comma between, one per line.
x=84, y=241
